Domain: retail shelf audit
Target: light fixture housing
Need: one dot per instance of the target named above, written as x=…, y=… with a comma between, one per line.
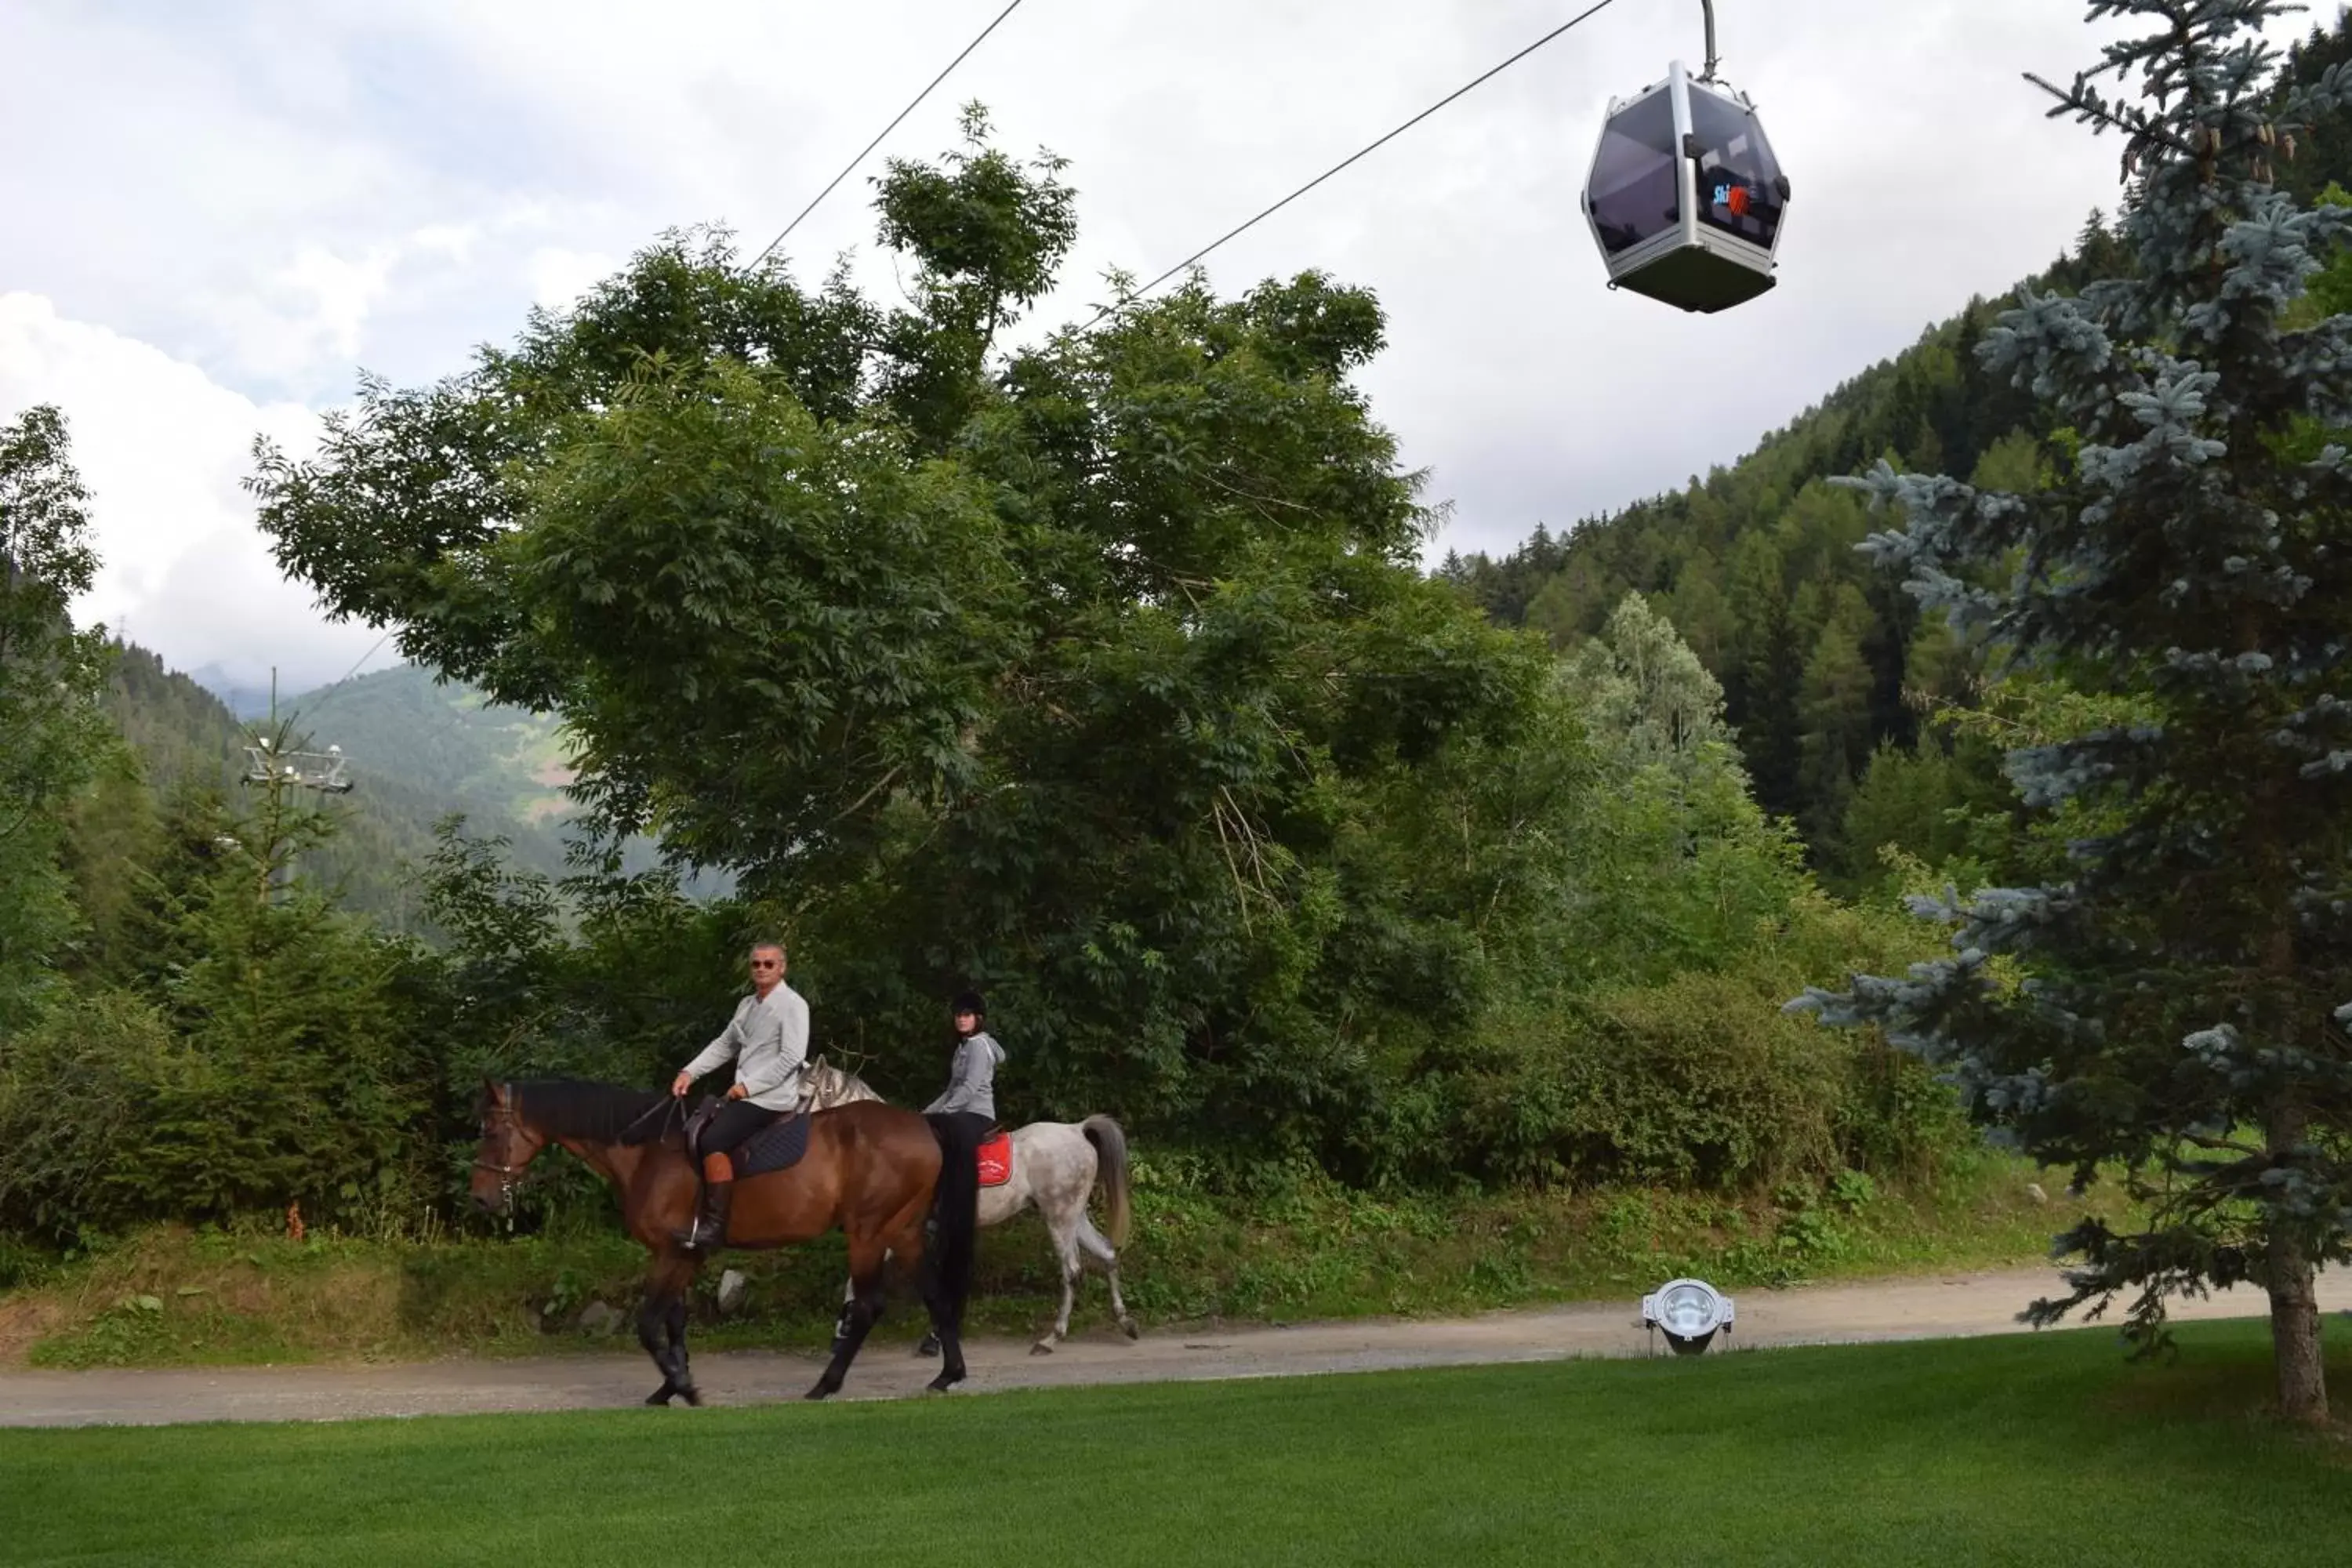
x=1688, y=1312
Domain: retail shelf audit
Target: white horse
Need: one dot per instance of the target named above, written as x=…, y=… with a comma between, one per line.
x=1055, y=1165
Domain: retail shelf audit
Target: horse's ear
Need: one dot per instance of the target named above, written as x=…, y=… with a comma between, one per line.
x=493, y=1093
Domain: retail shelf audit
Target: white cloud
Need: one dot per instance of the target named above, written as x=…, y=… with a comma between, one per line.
x=313, y=310
x=237, y=205
x=163, y=449
x=558, y=276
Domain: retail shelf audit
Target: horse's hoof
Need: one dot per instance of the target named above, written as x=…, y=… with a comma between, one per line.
x=930, y=1345
x=1128, y=1326
x=944, y=1381
x=1043, y=1347
x=819, y=1392
x=693, y=1396
x=659, y=1396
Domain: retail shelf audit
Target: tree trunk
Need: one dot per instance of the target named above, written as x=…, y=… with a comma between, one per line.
x=2294, y=1296
x=2295, y=1333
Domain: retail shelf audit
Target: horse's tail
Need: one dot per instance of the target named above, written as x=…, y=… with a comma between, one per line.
x=1110, y=1147
x=955, y=1209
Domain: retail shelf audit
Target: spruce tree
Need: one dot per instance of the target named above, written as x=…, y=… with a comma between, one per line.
x=2178, y=1001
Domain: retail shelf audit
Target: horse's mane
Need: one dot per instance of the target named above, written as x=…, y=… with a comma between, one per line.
x=597, y=1113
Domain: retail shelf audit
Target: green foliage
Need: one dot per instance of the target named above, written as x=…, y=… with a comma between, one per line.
x=1080, y=676
x=259, y=1058
x=1694, y=1081
x=1667, y=864
x=1098, y=674
x=51, y=733
x=75, y=1094
x=2170, y=989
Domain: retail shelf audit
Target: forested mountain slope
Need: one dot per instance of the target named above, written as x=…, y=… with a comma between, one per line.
x=417, y=754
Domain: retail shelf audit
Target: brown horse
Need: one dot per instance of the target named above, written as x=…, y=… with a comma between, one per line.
x=871, y=1170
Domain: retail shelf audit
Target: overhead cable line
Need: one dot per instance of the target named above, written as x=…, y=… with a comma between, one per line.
x=886, y=131
x=1361, y=153
x=317, y=692
x=361, y=661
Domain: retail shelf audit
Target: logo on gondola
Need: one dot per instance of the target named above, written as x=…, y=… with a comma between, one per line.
x=1734, y=197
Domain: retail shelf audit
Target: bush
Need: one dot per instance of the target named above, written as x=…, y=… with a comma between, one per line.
x=77, y=1092
x=1700, y=1081
x=272, y=1070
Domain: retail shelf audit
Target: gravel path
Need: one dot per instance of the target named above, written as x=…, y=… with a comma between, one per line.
x=1985, y=1303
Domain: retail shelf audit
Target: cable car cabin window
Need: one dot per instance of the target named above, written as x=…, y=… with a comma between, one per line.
x=1634, y=178
x=1737, y=175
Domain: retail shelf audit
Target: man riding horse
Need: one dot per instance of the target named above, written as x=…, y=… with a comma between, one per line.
x=768, y=1041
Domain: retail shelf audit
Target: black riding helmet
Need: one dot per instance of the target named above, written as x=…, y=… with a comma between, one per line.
x=968, y=1002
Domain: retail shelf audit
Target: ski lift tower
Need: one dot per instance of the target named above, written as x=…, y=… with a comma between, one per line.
x=275, y=768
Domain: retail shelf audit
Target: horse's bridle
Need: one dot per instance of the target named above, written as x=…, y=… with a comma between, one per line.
x=503, y=1115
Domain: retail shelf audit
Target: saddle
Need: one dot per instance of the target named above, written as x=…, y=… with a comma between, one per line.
x=778, y=1146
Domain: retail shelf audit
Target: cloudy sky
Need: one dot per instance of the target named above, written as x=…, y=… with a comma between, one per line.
x=217, y=214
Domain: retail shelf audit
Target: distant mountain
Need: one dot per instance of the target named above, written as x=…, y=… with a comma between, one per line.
x=506, y=769
x=417, y=750
x=244, y=700
x=499, y=763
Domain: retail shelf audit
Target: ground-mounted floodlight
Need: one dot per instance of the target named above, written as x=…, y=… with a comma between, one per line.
x=1688, y=1312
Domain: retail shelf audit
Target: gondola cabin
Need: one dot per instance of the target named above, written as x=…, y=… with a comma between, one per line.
x=1685, y=198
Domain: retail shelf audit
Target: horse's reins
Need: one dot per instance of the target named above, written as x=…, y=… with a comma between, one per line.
x=665, y=1106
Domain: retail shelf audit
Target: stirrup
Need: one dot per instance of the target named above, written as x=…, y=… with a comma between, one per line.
x=708, y=1229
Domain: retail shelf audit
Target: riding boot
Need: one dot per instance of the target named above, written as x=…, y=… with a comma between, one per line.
x=709, y=1227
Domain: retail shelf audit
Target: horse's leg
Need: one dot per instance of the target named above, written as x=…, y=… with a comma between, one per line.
x=946, y=1338
x=1099, y=1247
x=882, y=1305
x=951, y=1342
x=677, y=1326
x=1065, y=1235
x=652, y=1312
x=661, y=1327
x=858, y=1318
x=841, y=1319
x=929, y=1345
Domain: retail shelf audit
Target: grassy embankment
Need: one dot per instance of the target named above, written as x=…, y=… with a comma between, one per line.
x=2019, y=1450
x=170, y=1296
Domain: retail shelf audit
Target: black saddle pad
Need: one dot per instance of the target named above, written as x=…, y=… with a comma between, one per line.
x=775, y=1147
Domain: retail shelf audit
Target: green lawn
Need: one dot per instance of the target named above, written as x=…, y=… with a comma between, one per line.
x=2024, y=1450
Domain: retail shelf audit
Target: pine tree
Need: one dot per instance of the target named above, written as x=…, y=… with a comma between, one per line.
x=2179, y=1000
x=294, y=1076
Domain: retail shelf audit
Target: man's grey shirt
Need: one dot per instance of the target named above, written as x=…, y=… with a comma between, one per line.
x=768, y=1040
x=972, y=1081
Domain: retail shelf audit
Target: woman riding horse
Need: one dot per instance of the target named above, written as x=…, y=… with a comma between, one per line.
x=971, y=1094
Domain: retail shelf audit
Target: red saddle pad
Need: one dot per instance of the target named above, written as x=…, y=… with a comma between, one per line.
x=996, y=1161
